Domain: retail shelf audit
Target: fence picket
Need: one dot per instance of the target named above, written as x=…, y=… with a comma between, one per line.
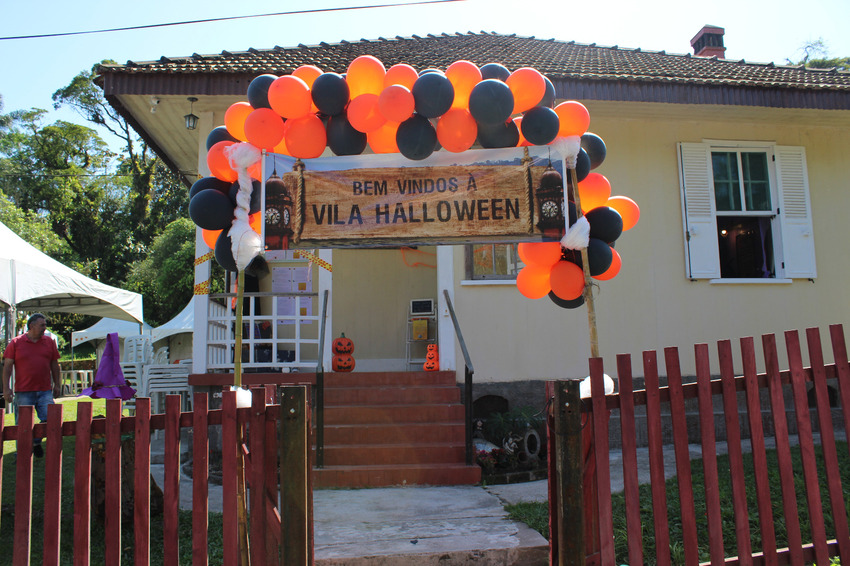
x=768, y=532
x=603, y=466
x=631, y=488
x=257, y=475
x=827, y=440
x=807, y=449
x=142, y=483
x=82, y=485
x=736, y=457
x=229, y=447
x=200, y=479
x=171, y=482
x=842, y=372
x=783, y=450
x=683, y=458
x=23, y=487
x=112, y=473
x=656, y=459
x=2, y=446
x=709, y=455
x=53, y=486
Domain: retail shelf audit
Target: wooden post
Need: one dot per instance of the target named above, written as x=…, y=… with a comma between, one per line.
x=295, y=496
x=570, y=474
x=588, y=282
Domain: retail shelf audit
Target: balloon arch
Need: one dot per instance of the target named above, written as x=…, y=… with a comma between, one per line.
x=414, y=113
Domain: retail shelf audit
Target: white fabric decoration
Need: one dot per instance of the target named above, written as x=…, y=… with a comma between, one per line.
x=245, y=243
x=568, y=147
x=243, y=397
x=578, y=236
x=584, y=386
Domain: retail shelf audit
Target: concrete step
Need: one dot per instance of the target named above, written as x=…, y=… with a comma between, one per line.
x=413, y=395
x=402, y=474
x=400, y=378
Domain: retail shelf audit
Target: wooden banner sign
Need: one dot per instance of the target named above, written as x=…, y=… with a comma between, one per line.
x=496, y=195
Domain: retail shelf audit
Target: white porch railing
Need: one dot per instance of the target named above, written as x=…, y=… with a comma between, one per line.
x=284, y=336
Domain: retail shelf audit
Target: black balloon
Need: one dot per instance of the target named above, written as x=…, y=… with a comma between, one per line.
x=330, y=93
x=258, y=91
x=431, y=70
x=495, y=71
x=573, y=304
x=208, y=183
x=433, y=94
x=416, y=137
x=595, y=148
x=605, y=223
x=540, y=125
x=219, y=134
x=548, y=99
x=505, y=134
x=211, y=210
x=256, y=195
x=343, y=139
x=491, y=102
x=599, y=256
x=224, y=252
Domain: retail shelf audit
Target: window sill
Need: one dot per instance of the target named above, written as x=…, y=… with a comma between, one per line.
x=756, y=281
x=487, y=282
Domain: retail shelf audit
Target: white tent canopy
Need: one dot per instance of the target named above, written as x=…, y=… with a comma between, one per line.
x=32, y=280
x=104, y=326
x=183, y=322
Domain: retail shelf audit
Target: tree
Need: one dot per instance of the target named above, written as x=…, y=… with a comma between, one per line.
x=816, y=56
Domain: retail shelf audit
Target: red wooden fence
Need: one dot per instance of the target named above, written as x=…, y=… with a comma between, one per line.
x=761, y=397
x=251, y=431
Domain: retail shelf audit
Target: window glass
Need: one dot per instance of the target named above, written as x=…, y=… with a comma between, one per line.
x=727, y=191
x=492, y=261
x=746, y=246
x=756, y=182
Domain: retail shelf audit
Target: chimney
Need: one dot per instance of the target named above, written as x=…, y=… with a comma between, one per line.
x=709, y=42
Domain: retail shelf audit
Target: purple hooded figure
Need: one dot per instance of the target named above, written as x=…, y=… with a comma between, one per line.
x=109, y=383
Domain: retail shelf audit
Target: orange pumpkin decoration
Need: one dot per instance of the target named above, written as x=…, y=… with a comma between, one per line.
x=342, y=345
x=343, y=363
x=432, y=355
x=431, y=365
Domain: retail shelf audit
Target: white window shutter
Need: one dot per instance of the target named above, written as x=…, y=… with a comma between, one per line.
x=795, y=214
x=702, y=257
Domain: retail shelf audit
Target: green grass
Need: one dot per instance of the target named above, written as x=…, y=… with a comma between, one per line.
x=7, y=510
x=536, y=514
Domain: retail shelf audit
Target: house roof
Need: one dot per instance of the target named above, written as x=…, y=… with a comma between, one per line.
x=555, y=59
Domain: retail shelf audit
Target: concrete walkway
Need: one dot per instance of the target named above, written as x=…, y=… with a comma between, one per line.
x=425, y=526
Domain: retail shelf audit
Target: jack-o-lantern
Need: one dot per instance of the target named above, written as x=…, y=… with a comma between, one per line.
x=342, y=362
x=342, y=345
x=431, y=365
x=432, y=355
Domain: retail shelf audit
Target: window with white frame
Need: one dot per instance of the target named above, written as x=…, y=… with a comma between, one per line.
x=492, y=261
x=746, y=211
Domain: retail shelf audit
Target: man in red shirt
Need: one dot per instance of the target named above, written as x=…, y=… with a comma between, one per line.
x=35, y=360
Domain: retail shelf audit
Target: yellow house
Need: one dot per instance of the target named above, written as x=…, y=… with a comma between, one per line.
x=739, y=169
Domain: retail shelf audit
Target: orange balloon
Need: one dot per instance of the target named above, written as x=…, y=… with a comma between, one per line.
x=281, y=146
x=463, y=75
x=574, y=118
x=256, y=222
x=396, y=103
x=364, y=114
x=611, y=272
x=457, y=130
x=541, y=254
x=264, y=128
x=383, y=139
x=365, y=75
x=627, y=208
x=533, y=281
x=401, y=74
x=234, y=119
x=307, y=73
x=290, y=97
x=528, y=87
x=593, y=191
x=219, y=164
x=567, y=280
x=210, y=237
x=305, y=137
x=522, y=141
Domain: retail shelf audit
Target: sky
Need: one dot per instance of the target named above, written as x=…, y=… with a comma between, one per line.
x=31, y=70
